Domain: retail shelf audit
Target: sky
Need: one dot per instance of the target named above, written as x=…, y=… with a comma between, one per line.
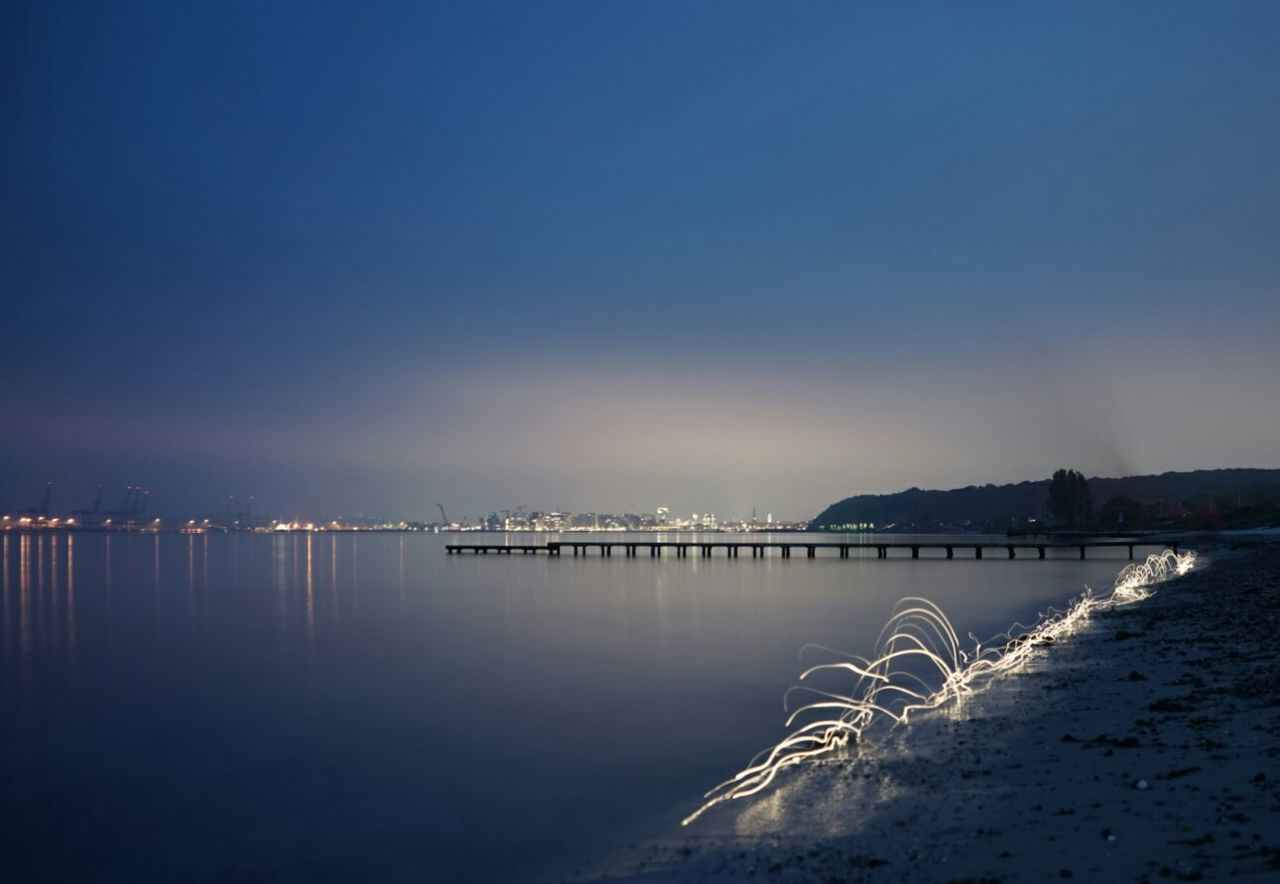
x=363, y=258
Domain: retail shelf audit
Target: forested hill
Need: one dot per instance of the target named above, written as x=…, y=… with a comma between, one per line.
x=1165, y=499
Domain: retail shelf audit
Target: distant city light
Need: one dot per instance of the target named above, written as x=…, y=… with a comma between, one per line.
x=522, y=519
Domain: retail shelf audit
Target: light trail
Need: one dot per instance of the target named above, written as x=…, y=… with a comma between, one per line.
x=920, y=635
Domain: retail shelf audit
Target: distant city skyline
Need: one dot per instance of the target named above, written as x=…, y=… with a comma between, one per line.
x=137, y=503
x=600, y=256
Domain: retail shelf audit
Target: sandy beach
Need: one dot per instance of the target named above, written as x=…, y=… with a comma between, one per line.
x=1143, y=747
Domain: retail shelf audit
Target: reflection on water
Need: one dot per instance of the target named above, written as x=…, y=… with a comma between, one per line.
x=71, y=595
x=44, y=596
x=24, y=588
x=4, y=596
x=53, y=569
x=333, y=570
x=311, y=598
x=366, y=707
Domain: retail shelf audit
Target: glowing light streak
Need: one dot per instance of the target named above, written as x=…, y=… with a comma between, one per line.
x=919, y=633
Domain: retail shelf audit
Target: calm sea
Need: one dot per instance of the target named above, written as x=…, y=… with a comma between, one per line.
x=365, y=707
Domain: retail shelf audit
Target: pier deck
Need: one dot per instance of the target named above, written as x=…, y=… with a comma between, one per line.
x=784, y=548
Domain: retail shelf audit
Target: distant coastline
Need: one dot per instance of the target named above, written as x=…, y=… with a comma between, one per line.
x=1175, y=501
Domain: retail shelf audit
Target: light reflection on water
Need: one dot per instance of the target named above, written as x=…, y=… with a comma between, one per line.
x=356, y=706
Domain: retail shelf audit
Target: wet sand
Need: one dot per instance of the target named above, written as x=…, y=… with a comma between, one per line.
x=1144, y=747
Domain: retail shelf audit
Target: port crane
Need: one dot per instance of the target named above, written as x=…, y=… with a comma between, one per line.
x=443, y=516
x=237, y=517
x=41, y=511
x=89, y=516
x=130, y=511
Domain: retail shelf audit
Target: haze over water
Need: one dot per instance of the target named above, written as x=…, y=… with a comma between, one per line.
x=365, y=707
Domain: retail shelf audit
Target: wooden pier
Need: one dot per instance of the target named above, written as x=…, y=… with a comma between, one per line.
x=784, y=549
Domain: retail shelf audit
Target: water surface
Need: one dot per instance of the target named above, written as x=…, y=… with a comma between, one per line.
x=357, y=706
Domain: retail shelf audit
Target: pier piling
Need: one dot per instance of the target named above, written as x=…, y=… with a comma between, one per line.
x=760, y=549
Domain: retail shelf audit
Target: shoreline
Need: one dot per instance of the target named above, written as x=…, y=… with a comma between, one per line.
x=1145, y=746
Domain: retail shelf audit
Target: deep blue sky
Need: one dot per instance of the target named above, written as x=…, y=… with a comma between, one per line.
x=368, y=257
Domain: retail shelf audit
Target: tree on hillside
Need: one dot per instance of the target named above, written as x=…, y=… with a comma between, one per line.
x=1069, y=498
